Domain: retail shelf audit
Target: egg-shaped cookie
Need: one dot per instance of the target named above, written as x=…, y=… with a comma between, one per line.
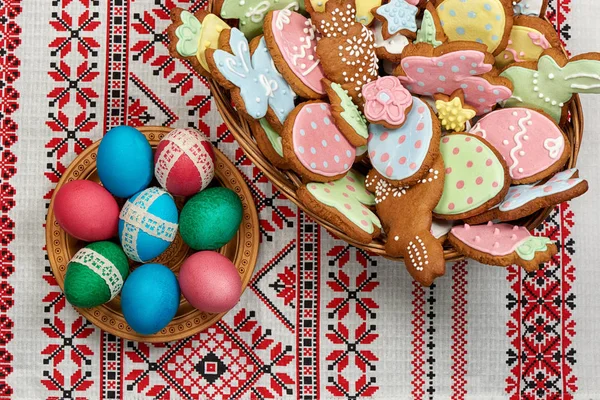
x=476, y=177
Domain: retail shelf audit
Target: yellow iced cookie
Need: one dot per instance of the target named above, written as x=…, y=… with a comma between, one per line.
x=212, y=26
x=524, y=44
x=363, y=9
x=483, y=21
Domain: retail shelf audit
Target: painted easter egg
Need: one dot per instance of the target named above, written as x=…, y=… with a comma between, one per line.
x=530, y=142
x=474, y=174
x=148, y=224
x=318, y=144
x=95, y=274
x=86, y=211
x=398, y=154
x=211, y=218
x=150, y=298
x=184, y=162
x=124, y=161
x=210, y=282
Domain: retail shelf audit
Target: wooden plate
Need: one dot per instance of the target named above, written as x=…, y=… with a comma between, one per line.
x=242, y=249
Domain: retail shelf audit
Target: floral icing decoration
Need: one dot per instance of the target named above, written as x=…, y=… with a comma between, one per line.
x=386, y=100
x=188, y=34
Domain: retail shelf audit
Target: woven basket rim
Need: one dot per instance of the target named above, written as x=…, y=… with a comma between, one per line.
x=287, y=181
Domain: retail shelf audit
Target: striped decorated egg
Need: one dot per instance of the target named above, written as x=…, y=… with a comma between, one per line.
x=184, y=162
x=148, y=224
x=95, y=274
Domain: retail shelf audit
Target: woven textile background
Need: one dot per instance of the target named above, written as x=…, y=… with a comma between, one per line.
x=320, y=319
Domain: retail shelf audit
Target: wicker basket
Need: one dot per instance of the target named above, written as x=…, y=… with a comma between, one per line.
x=288, y=181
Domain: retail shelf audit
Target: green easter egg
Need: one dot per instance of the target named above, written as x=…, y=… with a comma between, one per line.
x=210, y=219
x=96, y=274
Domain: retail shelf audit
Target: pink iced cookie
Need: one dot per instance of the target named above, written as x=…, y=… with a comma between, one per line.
x=463, y=69
x=502, y=245
x=320, y=152
x=292, y=41
x=386, y=102
x=532, y=145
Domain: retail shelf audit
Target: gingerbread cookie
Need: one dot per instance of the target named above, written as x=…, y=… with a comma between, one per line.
x=292, y=42
x=550, y=83
x=405, y=154
x=536, y=8
x=257, y=89
x=346, y=49
x=269, y=142
x=387, y=102
x=398, y=17
x=431, y=31
x=524, y=200
x=476, y=177
x=502, y=245
x=314, y=146
x=483, y=21
x=348, y=118
x=191, y=34
x=529, y=37
x=405, y=213
x=363, y=9
x=530, y=142
x=426, y=70
x=344, y=203
x=388, y=49
x=251, y=13
x=452, y=111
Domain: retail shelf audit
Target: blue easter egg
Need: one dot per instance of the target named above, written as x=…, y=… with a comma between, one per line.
x=150, y=298
x=125, y=161
x=148, y=224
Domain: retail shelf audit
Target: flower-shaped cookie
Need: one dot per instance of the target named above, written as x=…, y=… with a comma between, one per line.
x=386, y=102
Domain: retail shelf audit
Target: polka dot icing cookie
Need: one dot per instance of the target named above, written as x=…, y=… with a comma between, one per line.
x=531, y=143
x=345, y=204
x=405, y=154
x=292, y=42
x=524, y=200
x=314, y=146
x=405, y=213
x=425, y=70
x=191, y=34
x=502, y=245
x=257, y=89
x=482, y=21
x=476, y=177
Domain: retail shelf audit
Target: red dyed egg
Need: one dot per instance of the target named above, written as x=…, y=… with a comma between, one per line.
x=210, y=282
x=86, y=210
x=184, y=162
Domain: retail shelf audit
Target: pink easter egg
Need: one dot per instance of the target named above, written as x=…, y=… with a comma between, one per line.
x=86, y=211
x=210, y=282
x=184, y=162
